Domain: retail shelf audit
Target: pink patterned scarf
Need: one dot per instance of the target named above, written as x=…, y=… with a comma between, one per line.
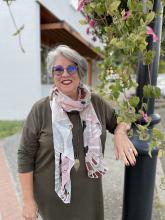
x=62, y=137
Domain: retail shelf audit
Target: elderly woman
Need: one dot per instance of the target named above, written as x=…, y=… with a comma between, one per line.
x=60, y=158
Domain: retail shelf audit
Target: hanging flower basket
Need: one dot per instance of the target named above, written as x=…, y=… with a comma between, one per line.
x=124, y=28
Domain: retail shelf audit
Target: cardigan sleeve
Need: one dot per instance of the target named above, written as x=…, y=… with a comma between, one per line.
x=110, y=116
x=29, y=142
x=105, y=112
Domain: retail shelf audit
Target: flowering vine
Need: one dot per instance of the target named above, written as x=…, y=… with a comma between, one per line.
x=123, y=27
x=18, y=29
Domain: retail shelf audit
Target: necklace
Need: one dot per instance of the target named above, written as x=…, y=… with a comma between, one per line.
x=76, y=164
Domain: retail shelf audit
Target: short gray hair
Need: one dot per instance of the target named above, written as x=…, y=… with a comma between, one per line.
x=71, y=55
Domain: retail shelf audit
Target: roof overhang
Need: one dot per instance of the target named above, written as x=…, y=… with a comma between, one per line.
x=55, y=32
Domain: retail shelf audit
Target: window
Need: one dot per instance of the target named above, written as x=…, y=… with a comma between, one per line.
x=46, y=78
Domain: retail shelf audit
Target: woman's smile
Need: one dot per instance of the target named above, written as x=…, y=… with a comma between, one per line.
x=66, y=82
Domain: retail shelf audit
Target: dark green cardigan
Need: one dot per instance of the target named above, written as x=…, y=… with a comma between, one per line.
x=36, y=153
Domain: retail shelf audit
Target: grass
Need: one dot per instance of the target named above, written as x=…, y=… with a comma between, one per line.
x=8, y=128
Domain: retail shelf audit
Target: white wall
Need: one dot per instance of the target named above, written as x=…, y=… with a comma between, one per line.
x=20, y=83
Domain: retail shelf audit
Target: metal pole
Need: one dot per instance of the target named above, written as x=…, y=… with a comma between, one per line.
x=140, y=179
x=157, y=26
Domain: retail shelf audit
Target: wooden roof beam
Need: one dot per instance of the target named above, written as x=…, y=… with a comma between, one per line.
x=63, y=25
x=52, y=26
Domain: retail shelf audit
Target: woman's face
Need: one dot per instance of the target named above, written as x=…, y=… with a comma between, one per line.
x=66, y=78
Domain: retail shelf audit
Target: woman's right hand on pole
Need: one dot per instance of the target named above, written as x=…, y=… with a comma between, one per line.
x=30, y=210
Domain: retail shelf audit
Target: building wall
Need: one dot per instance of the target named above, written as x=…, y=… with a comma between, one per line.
x=20, y=74
x=20, y=83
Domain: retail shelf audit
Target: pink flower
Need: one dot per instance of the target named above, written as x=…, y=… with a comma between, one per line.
x=145, y=116
x=151, y=32
x=81, y=4
x=87, y=18
x=92, y=22
x=126, y=15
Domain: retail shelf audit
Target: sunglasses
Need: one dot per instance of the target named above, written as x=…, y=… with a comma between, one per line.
x=59, y=70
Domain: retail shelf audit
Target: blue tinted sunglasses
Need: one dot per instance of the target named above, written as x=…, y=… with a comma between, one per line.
x=59, y=70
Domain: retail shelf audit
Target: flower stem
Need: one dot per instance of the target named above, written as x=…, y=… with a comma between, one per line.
x=16, y=27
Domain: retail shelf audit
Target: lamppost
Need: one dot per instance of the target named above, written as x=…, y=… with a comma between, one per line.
x=140, y=179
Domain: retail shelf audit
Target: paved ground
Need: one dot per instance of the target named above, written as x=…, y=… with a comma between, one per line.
x=9, y=204
x=10, y=201
x=161, y=126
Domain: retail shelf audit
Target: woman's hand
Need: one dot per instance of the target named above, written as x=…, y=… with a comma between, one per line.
x=30, y=210
x=124, y=149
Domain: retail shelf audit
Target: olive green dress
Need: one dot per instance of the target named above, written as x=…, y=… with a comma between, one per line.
x=36, y=153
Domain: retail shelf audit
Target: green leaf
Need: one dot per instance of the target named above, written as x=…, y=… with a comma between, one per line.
x=100, y=9
x=148, y=57
x=142, y=46
x=150, y=17
x=131, y=4
x=134, y=101
x=115, y=94
x=141, y=21
x=149, y=5
x=88, y=9
x=113, y=41
x=141, y=128
x=119, y=119
x=150, y=151
x=157, y=92
x=83, y=22
x=144, y=136
x=157, y=134
x=146, y=91
x=93, y=5
x=113, y=7
x=120, y=44
x=150, y=91
x=144, y=106
x=19, y=30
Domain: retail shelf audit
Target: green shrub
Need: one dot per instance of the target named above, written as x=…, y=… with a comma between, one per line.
x=8, y=128
x=162, y=66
